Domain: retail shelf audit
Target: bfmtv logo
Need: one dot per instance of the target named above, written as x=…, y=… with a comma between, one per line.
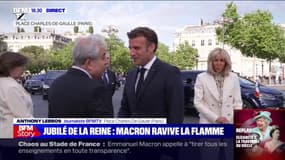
x=26, y=131
x=20, y=13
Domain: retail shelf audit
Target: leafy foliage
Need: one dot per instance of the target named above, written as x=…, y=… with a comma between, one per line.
x=38, y=58
x=75, y=29
x=90, y=29
x=120, y=58
x=162, y=52
x=254, y=34
x=61, y=58
x=185, y=56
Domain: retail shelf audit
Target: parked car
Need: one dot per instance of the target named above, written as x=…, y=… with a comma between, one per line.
x=48, y=79
x=268, y=97
x=34, y=84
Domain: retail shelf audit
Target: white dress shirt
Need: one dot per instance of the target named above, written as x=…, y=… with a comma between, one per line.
x=147, y=67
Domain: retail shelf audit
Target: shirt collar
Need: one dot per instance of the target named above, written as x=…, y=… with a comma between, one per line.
x=149, y=64
x=83, y=70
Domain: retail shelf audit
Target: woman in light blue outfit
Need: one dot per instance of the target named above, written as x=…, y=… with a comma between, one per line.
x=262, y=120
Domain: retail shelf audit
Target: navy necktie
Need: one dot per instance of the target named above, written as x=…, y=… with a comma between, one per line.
x=141, y=79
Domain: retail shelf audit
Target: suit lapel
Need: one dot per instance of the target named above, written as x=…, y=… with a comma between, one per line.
x=132, y=83
x=212, y=86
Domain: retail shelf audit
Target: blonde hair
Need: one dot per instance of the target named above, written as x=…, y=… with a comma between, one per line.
x=225, y=55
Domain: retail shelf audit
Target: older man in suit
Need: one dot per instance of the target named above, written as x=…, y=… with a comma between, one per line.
x=76, y=94
x=154, y=89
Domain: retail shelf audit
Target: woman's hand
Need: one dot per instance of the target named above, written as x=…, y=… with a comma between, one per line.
x=222, y=120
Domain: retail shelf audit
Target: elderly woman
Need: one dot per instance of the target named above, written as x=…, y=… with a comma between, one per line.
x=262, y=120
x=15, y=102
x=217, y=91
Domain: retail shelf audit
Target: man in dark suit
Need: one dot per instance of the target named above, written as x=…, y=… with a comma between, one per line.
x=109, y=77
x=76, y=94
x=110, y=82
x=154, y=89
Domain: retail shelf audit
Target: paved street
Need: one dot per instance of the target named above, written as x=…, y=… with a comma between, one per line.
x=41, y=107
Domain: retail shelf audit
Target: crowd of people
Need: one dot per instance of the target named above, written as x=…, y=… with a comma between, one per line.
x=265, y=79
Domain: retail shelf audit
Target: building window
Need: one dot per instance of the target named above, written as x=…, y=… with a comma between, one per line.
x=209, y=42
x=22, y=37
x=202, y=42
x=28, y=37
x=193, y=43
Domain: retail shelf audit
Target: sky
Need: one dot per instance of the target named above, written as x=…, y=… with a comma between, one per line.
x=165, y=17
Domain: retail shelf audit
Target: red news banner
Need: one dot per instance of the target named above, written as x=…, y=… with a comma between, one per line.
x=260, y=134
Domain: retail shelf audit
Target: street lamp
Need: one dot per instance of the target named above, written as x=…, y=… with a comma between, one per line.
x=223, y=21
x=262, y=65
x=256, y=69
x=110, y=30
x=197, y=60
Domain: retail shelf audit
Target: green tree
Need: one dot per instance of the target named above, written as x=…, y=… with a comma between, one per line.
x=75, y=29
x=90, y=29
x=254, y=34
x=36, y=28
x=163, y=53
x=3, y=44
x=230, y=16
x=61, y=58
x=185, y=56
x=120, y=58
x=38, y=58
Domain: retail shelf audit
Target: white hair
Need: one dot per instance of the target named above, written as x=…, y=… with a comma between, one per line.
x=87, y=47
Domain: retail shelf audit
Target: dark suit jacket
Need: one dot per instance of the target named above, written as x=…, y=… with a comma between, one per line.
x=109, y=89
x=74, y=94
x=113, y=82
x=161, y=95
